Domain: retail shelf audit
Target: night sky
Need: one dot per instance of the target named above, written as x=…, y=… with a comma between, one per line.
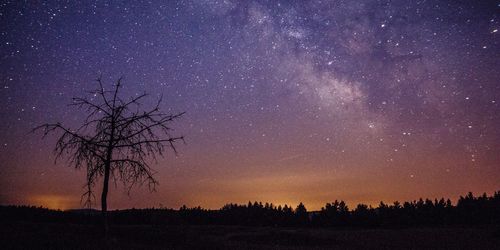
x=286, y=101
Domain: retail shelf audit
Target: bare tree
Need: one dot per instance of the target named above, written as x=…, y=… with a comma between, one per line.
x=117, y=139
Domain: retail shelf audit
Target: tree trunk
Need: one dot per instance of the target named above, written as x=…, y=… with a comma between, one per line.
x=107, y=168
x=104, y=196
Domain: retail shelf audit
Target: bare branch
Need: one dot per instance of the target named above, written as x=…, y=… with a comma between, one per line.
x=114, y=140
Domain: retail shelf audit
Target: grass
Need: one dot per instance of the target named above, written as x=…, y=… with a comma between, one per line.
x=28, y=235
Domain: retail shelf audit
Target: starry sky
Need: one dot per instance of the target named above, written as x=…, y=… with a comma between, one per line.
x=285, y=101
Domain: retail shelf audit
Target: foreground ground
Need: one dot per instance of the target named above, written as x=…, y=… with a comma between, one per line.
x=21, y=235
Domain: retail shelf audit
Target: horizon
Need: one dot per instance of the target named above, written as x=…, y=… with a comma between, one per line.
x=55, y=204
x=358, y=101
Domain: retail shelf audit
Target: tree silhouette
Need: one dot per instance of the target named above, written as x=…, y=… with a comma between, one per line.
x=116, y=139
x=301, y=214
x=469, y=211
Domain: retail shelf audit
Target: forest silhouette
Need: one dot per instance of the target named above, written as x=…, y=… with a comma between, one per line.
x=469, y=210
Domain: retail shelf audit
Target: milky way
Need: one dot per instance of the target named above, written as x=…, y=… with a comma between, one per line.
x=285, y=101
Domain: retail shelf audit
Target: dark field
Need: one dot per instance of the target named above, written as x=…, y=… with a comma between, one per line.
x=24, y=235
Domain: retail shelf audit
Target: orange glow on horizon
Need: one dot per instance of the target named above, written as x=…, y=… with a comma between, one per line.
x=53, y=201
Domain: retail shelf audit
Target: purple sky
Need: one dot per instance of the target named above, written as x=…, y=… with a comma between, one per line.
x=286, y=101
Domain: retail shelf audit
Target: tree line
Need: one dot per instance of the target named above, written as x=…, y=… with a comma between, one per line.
x=469, y=210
